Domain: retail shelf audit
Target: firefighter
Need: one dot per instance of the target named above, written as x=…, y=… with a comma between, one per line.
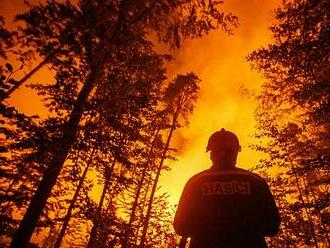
x=225, y=206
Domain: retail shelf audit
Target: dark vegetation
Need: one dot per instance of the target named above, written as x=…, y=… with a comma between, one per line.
x=112, y=114
x=113, y=111
x=293, y=121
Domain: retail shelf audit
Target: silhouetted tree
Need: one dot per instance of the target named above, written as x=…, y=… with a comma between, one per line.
x=23, y=141
x=293, y=117
x=100, y=37
x=146, y=161
x=74, y=200
x=181, y=96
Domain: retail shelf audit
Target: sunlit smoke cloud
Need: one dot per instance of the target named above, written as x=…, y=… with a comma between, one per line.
x=219, y=60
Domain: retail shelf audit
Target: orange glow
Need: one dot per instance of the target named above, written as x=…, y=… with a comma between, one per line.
x=220, y=62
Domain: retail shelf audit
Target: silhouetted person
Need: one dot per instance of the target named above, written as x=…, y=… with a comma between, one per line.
x=225, y=206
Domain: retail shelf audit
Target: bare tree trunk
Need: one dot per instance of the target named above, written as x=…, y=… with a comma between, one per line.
x=73, y=202
x=108, y=173
x=61, y=149
x=153, y=191
x=141, y=217
x=139, y=187
x=301, y=194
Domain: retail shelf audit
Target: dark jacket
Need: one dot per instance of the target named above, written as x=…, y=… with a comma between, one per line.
x=227, y=208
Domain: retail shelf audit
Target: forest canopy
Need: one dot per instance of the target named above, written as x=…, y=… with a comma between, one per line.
x=293, y=117
x=112, y=114
x=88, y=173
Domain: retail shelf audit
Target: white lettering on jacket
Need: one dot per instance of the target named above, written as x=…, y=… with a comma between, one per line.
x=226, y=188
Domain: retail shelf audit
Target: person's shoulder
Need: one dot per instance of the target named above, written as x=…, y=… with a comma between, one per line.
x=236, y=171
x=250, y=174
x=198, y=176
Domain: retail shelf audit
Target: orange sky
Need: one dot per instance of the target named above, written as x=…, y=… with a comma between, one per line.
x=220, y=62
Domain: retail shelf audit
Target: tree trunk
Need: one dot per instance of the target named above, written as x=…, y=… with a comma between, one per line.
x=61, y=149
x=310, y=222
x=108, y=173
x=139, y=187
x=146, y=222
x=72, y=203
x=140, y=223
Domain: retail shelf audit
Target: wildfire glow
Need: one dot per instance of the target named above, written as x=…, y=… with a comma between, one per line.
x=219, y=60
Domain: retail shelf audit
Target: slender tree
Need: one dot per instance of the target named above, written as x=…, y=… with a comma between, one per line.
x=159, y=123
x=73, y=202
x=181, y=95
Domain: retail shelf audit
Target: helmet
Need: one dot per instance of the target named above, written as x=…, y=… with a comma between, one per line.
x=223, y=140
